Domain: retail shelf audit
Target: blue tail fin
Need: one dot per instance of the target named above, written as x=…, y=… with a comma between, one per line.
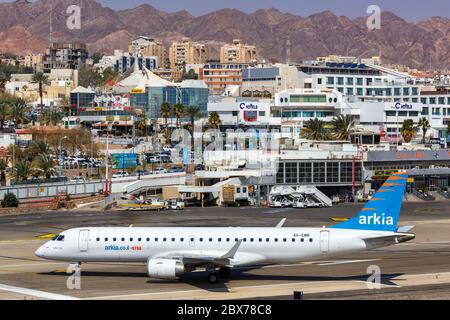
x=383, y=210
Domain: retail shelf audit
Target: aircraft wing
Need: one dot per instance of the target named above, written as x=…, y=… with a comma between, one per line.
x=375, y=241
x=217, y=258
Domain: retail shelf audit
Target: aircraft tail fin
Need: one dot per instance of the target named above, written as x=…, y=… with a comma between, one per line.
x=382, y=211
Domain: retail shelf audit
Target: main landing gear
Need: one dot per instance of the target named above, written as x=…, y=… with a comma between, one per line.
x=216, y=275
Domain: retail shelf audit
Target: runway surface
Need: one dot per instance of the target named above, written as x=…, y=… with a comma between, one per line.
x=417, y=269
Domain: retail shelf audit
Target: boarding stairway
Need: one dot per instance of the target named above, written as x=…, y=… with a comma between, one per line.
x=315, y=194
x=149, y=182
x=308, y=192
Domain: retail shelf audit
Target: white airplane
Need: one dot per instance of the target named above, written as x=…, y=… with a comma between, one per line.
x=171, y=252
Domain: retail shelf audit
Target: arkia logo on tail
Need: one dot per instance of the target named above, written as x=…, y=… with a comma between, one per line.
x=377, y=219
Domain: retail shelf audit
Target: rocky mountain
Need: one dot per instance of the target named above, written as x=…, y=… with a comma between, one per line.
x=24, y=27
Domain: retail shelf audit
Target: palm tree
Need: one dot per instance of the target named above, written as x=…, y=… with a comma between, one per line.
x=342, y=126
x=408, y=130
x=42, y=80
x=22, y=170
x=214, y=120
x=3, y=166
x=314, y=129
x=424, y=124
x=38, y=147
x=178, y=111
x=19, y=111
x=51, y=117
x=192, y=112
x=165, y=113
x=44, y=164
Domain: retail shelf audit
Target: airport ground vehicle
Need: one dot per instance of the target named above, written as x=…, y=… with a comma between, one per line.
x=312, y=204
x=145, y=205
x=170, y=252
x=281, y=201
x=298, y=202
x=175, y=204
x=235, y=195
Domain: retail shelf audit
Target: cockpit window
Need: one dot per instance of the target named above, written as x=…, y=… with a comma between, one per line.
x=58, y=237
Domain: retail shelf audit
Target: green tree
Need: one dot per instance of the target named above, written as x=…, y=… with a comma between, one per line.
x=19, y=111
x=37, y=147
x=96, y=56
x=315, y=129
x=165, y=111
x=10, y=201
x=190, y=75
x=214, y=120
x=22, y=170
x=41, y=79
x=424, y=124
x=5, y=107
x=342, y=126
x=43, y=163
x=192, y=112
x=51, y=117
x=179, y=112
x=408, y=130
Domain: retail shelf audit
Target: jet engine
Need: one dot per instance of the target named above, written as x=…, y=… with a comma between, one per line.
x=164, y=268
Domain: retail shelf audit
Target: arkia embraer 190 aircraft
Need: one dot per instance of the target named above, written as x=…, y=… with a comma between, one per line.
x=171, y=252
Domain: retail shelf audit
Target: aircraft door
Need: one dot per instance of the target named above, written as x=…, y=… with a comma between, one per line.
x=191, y=241
x=83, y=240
x=324, y=241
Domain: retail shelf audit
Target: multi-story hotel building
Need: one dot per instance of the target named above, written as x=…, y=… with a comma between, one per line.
x=238, y=53
x=148, y=47
x=186, y=52
x=220, y=75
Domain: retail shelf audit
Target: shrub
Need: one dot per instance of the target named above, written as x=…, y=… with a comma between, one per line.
x=10, y=200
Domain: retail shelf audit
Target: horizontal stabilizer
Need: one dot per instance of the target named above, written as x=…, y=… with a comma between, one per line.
x=404, y=229
x=381, y=241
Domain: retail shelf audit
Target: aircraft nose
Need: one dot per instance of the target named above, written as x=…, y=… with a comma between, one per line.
x=40, y=252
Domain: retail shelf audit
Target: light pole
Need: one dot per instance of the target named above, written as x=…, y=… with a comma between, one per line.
x=59, y=154
x=106, y=161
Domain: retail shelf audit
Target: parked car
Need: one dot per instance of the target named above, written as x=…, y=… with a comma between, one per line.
x=159, y=170
x=175, y=204
x=120, y=174
x=77, y=179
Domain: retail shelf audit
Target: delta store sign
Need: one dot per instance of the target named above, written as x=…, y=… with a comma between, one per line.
x=403, y=106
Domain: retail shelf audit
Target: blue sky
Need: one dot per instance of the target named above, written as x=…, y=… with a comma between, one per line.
x=411, y=10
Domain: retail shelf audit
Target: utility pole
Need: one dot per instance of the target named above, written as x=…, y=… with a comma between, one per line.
x=107, y=161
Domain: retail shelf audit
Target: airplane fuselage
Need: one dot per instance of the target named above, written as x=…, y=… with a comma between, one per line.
x=259, y=245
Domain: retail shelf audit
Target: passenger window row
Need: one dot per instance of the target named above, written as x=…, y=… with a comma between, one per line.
x=211, y=239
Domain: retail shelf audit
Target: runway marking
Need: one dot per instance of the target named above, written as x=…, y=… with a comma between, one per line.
x=36, y=293
x=31, y=264
x=345, y=262
x=283, y=289
x=20, y=240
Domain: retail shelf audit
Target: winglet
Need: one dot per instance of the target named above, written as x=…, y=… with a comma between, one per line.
x=230, y=254
x=281, y=223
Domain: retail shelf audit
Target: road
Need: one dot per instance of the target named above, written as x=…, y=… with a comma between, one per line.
x=416, y=269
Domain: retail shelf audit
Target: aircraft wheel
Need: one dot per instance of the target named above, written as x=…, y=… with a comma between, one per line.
x=213, y=277
x=225, y=272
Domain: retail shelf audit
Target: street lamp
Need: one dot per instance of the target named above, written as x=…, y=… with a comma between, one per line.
x=59, y=154
x=107, y=160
